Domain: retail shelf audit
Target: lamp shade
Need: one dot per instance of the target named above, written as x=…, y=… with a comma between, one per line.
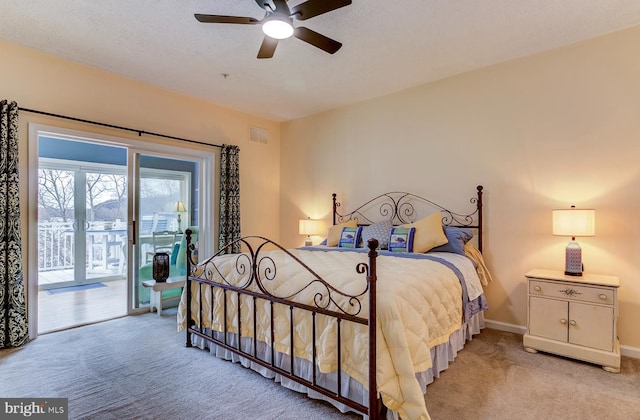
x=574, y=222
x=179, y=207
x=308, y=227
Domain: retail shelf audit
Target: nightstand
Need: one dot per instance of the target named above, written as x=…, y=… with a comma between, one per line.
x=574, y=316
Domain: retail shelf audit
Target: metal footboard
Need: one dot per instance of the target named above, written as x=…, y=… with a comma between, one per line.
x=256, y=270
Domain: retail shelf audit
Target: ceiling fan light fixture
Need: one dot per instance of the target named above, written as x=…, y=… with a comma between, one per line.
x=277, y=29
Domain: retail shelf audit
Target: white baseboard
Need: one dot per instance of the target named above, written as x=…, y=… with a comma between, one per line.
x=628, y=351
x=503, y=326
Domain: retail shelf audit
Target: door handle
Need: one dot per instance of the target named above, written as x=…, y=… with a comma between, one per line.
x=132, y=234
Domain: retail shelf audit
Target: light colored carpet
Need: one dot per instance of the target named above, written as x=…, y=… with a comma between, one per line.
x=138, y=367
x=494, y=378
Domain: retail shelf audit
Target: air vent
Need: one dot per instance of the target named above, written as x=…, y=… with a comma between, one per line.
x=259, y=135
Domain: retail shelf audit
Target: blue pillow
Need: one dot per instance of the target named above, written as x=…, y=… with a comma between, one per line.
x=380, y=231
x=350, y=237
x=174, y=253
x=401, y=239
x=457, y=236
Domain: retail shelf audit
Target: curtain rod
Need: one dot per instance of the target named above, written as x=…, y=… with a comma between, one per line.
x=140, y=132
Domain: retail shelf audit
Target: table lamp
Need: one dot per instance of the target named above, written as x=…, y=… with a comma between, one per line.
x=574, y=222
x=308, y=227
x=179, y=208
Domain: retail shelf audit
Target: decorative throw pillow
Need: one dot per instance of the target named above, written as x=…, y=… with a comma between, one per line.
x=458, y=237
x=380, y=231
x=429, y=233
x=174, y=253
x=333, y=238
x=401, y=239
x=350, y=237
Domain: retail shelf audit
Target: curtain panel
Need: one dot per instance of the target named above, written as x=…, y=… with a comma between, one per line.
x=229, y=198
x=13, y=308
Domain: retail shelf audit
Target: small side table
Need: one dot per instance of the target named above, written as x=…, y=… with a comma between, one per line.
x=574, y=317
x=157, y=288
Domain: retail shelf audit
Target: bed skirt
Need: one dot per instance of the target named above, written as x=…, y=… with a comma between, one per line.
x=441, y=355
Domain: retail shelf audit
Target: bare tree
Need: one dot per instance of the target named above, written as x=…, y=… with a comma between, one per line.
x=118, y=190
x=95, y=189
x=55, y=193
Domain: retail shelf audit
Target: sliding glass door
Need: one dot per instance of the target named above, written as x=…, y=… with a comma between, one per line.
x=164, y=204
x=82, y=210
x=102, y=204
x=82, y=237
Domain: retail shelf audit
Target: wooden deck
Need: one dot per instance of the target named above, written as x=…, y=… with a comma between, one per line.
x=57, y=278
x=73, y=308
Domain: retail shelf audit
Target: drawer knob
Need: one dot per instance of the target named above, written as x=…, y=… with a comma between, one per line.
x=537, y=288
x=563, y=321
x=603, y=296
x=572, y=322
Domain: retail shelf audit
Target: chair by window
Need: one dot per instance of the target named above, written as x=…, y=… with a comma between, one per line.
x=177, y=267
x=162, y=242
x=163, y=221
x=146, y=225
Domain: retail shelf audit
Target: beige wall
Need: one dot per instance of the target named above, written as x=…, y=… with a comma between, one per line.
x=541, y=132
x=46, y=83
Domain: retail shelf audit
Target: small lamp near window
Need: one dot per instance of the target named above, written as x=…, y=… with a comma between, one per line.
x=179, y=208
x=574, y=222
x=308, y=227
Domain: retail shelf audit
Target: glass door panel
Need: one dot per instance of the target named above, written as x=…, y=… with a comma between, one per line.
x=82, y=210
x=105, y=223
x=164, y=200
x=58, y=229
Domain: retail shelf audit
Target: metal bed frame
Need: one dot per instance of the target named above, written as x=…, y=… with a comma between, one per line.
x=259, y=269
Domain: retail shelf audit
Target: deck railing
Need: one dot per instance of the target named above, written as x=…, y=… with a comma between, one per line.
x=56, y=245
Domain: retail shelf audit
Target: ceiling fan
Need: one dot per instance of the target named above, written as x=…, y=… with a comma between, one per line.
x=277, y=23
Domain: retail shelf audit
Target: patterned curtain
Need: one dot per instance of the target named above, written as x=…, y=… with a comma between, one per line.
x=229, y=197
x=13, y=308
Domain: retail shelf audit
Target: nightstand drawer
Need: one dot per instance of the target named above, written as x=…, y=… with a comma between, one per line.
x=572, y=292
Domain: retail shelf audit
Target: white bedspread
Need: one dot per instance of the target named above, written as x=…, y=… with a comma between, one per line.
x=419, y=305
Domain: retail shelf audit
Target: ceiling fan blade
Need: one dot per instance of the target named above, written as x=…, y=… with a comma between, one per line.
x=226, y=19
x=317, y=40
x=266, y=4
x=268, y=47
x=313, y=8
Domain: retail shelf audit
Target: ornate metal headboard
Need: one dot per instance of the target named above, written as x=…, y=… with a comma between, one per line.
x=402, y=207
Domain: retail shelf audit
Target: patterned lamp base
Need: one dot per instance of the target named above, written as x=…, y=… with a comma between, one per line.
x=573, y=259
x=160, y=267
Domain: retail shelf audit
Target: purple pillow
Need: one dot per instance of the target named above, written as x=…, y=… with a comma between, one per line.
x=457, y=236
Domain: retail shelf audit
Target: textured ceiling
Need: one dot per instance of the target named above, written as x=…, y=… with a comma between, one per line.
x=389, y=45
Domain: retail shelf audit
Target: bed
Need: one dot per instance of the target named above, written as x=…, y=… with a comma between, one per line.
x=301, y=316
